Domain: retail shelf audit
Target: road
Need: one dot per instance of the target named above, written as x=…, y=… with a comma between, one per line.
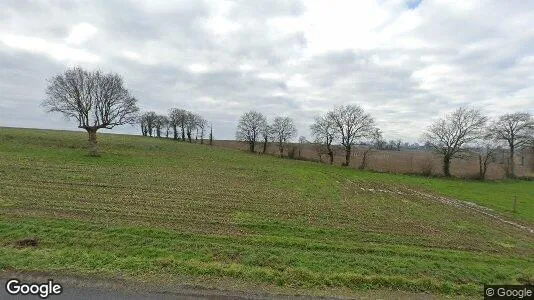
x=76, y=288
x=116, y=289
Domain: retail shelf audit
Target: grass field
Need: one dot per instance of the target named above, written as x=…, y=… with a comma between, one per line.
x=151, y=207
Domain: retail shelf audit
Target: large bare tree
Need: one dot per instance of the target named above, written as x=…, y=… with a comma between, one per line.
x=96, y=100
x=450, y=134
x=324, y=131
x=352, y=124
x=249, y=128
x=517, y=130
x=283, y=129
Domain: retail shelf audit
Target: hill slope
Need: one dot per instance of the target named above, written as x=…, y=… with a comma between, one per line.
x=152, y=208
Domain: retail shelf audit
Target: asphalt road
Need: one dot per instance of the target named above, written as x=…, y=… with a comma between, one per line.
x=104, y=293
x=117, y=289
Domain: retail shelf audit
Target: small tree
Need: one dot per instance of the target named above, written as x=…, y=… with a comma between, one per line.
x=324, y=132
x=94, y=99
x=144, y=127
x=201, y=125
x=517, y=130
x=486, y=151
x=167, y=126
x=266, y=133
x=449, y=135
x=302, y=141
x=160, y=123
x=149, y=119
x=352, y=123
x=191, y=123
x=283, y=130
x=376, y=142
x=249, y=128
x=177, y=118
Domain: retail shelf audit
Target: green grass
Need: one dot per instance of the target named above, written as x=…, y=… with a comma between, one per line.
x=153, y=206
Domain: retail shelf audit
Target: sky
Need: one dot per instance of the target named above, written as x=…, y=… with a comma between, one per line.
x=406, y=62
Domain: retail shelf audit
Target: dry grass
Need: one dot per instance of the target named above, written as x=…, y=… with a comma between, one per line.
x=409, y=162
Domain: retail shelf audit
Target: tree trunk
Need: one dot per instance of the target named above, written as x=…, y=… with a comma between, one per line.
x=189, y=136
x=281, y=148
x=183, y=134
x=211, y=137
x=330, y=154
x=480, y=170
x=347, y=156
x=264, y=146
x=364, y=159
x=175, y=128
x=447, y=166
x=93, y=145
x=251, y=146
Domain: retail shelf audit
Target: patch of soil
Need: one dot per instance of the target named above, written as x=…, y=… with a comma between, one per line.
x=26, y=243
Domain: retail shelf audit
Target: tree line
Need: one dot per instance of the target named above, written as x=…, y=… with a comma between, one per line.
x=468, y=131
x=99, y=100
x=465, y=132
x=253, y=126
x=180, y=122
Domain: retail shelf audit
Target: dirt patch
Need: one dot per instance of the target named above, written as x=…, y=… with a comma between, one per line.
x=26, y=243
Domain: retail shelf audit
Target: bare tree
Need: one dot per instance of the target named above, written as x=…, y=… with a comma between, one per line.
x=167, y=126
x=320, y=149
x=144, y=127
x=159, y=124
x=486, y=151
x=352, y=124
x=191, y=123
x=283, y=130
x=94, y=99
x=376, y=142
x=266, y=133
x=201, y=125
x=324, y=131
x=177, y=119
x=149, y=120
x=393, y=145
x=449, y=135
x=249, y=128
x=517, y=130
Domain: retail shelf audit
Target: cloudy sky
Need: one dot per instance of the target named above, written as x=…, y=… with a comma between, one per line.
x=405, y=61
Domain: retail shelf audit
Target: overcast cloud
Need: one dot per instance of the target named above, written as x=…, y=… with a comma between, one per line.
x=406, y=62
